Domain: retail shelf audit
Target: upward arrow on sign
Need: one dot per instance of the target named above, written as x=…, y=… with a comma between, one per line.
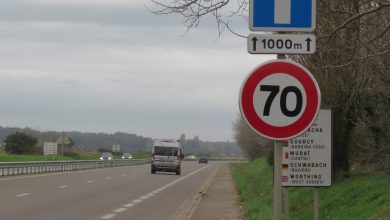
x=254, y=43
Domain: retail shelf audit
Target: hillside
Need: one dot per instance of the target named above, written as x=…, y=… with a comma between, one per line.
x=128, y=142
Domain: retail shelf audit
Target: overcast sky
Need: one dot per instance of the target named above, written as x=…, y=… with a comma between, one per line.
x=111, y=65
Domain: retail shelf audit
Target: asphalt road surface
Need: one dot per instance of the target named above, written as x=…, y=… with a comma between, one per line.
x=130, y=192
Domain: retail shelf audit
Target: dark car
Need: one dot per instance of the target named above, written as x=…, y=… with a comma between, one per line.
x=203, y=160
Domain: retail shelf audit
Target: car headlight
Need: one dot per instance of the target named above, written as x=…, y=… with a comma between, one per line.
x=101, y=158
x=123, y=157
x=109, y=158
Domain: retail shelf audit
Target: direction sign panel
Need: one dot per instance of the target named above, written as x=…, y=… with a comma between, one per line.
x=279, y=99
x=49, y=148
x=307, y=159
x=282, y=15
x=281, y=43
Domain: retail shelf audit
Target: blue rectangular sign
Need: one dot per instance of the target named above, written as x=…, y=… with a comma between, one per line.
x=282, y=15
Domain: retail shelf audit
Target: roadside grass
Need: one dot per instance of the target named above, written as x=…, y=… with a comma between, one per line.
x=363, y=196
x=141, y=155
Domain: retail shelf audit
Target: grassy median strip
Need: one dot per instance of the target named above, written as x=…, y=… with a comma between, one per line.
x=361, y=197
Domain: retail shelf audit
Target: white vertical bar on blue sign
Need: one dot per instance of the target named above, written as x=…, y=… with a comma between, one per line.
x=282, y=12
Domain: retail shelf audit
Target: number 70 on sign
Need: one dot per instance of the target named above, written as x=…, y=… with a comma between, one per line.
x=279, y=99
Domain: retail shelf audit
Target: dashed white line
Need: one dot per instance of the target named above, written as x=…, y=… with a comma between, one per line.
x=142, y=198
x=150, y=194
x=119, y=210
x=129, y=205
x=108, y=216
x=62, y=187
x=90, y=181
x=108, y=178
x=137, y=200
x=23, y=194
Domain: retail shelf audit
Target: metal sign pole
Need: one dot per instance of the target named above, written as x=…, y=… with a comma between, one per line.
x=286, y=203
x=62, y=145
x=278, y=154
x=277, y=180
x=316, y=203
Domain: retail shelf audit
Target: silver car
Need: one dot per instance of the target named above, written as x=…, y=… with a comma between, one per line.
x=127, y=156
x=106, y=156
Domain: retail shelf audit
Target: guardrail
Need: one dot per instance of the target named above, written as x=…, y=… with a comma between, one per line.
x=31, y=167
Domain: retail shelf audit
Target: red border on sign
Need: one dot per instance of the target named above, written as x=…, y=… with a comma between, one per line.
x=312, y=99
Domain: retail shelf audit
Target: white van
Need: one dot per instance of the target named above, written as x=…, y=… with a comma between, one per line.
x=166, y=156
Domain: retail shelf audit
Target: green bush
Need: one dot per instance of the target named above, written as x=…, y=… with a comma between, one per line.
x=20, y=143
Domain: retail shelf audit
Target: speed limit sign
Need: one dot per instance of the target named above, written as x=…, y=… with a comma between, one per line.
x=280, y=99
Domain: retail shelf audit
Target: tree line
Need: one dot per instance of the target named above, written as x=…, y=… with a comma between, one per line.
x=103, y=142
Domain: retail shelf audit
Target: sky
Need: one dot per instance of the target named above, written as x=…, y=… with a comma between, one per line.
x=113, y=66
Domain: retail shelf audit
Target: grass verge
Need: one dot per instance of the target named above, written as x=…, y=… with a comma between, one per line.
x=361, y=197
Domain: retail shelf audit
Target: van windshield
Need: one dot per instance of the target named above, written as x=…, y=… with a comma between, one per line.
x=166, y=151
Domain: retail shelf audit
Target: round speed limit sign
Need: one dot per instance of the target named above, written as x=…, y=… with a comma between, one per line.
x=280, y=99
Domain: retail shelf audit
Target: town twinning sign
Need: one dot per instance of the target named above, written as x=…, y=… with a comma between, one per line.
x=307, y=159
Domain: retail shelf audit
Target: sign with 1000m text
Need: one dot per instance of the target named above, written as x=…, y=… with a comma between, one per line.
x=281, y=43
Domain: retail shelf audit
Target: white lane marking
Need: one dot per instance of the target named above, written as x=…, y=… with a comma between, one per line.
x=120, y=210
x=137, y=200
x=144, y=197
x=108, y=216
x=150, y=194
x=129, y=205
x=90, y=181
x=108, y=178
x=23, y=194
x=123, y=175
x=62, y=187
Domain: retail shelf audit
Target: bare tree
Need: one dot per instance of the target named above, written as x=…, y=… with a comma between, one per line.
x=251, y=143
x=193, y=11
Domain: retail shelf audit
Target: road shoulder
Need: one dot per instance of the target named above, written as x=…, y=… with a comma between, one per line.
x=221, y=199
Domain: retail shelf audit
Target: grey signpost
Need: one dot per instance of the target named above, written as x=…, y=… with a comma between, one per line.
x=281, y=16
x=63, y=140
